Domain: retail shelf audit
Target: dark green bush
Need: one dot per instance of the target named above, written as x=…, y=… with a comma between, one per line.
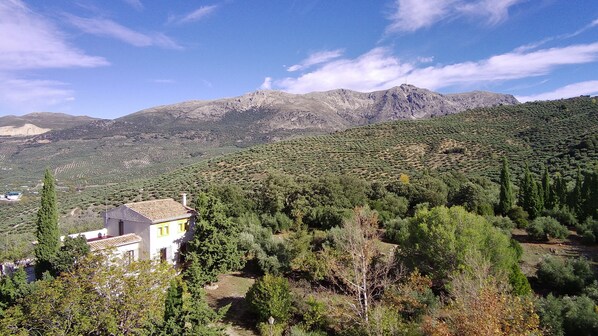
x=564, y=276
x=545, y=228
x=519, y=216
x=270, y=296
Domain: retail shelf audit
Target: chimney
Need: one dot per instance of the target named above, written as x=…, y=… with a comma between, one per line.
x=184, y=201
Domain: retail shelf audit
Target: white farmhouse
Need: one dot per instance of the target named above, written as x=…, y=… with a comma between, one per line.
x=145, y=230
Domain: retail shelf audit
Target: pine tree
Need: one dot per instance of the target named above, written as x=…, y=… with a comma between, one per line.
x=47, y=233
x=506, y=200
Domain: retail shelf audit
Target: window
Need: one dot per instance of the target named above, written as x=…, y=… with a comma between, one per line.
x=183, y=226
x=163, y=230
x=121, y=228
x=129, y=256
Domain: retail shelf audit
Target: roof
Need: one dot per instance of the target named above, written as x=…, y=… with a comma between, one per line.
x=161, y=210
x=104, y=243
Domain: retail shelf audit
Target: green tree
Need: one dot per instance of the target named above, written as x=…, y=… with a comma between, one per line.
x=575, y=197
x=506, y=197
x=528, y=194
x=12, y=288
x=214, y=247
x=559, y=193
x=101, y=296
x=47, y=233
x=589, y=195
x=271, y=296
x=438, y=241
x=174, y=318
x=72, y=249
x=547, y=189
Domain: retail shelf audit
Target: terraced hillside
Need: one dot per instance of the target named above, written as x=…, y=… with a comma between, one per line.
x=563, y=133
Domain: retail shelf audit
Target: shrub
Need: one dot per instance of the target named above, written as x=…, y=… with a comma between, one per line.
x=563, y=215
x=544, y=228
x=589, y=230
x=564, y=276
x=519, y=216
x=271, y=296
x=504, y=223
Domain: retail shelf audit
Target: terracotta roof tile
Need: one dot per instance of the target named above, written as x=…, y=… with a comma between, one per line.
x=159, y=210
x=104, y=243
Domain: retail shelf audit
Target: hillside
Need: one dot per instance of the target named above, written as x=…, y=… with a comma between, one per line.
x=46, y=120
x=157, y=140
x=562, y=133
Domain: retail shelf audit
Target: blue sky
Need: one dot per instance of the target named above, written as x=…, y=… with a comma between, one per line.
x=111, y=58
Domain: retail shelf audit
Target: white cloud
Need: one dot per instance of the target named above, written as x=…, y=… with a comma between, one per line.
x=571, y=90
x=29, y=41
x=316, y=58
x=379, y=69
x=135, y=4
x=109, y=28
x=197, y=14
x=412, y=15
x=28, y=95
x=267, y=84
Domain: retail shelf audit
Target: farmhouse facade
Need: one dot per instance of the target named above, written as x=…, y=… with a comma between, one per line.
x=156, y=229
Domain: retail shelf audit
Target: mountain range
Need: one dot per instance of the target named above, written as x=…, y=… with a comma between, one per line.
x=96, y=151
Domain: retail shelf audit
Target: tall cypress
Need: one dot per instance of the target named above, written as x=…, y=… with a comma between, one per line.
x=575, y=197
x=546, y=188
x=559, y=191
x=47, y=233
x=528, y=194
x=589, y=195
x=505, y=202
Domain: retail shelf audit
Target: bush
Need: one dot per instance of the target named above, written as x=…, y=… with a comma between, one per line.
x=564, y=277
x=544, y=228
x=519, y=217
x=518, y=280
x=504, y=223
x=589, y=230
x=396, y=230
x=574, y=315
x=271, y=296
x=563, y=215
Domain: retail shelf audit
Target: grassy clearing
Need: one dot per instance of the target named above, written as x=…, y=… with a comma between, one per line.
x=231, y=289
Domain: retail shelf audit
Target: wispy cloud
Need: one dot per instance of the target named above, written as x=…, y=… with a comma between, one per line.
x=412, y=15
x=195, y=15
x=33, y=95
x=109, y=28
x=379, y=69
x=571, y=90
x=267, y=84
x=29, y=41
x=135, y=4
x=315, y=59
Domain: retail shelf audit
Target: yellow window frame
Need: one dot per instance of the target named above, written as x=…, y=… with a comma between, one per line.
x=163, y=230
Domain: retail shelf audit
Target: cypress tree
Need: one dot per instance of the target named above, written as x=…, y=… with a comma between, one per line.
x=505, y=202
x=575, y=197
x=174, y=322
x=47, y=233
x=559, y=191
x=528, y=194
x=546, y=188
x=589, y=195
